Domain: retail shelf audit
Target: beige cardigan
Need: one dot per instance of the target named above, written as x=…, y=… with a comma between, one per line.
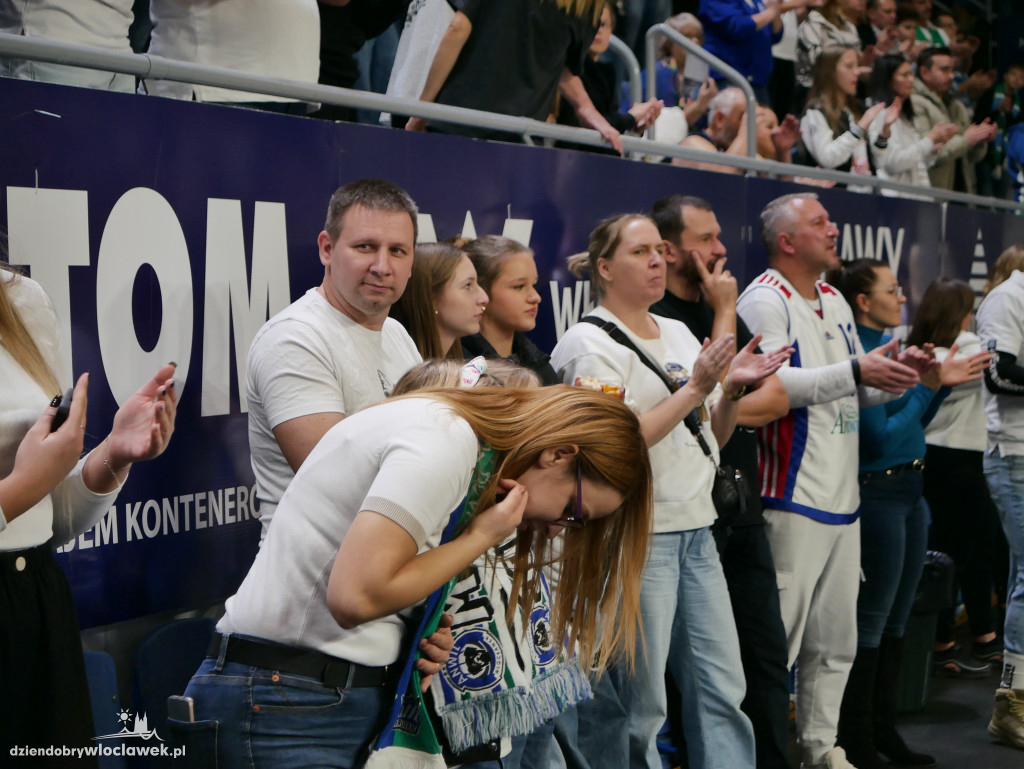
x=931, y=109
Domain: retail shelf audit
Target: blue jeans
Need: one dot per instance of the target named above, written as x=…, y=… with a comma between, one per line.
x=1005, y=475
x=257, y=717
x=602, y=723
x=688, y=625
x=893, y=541
x=568, y=754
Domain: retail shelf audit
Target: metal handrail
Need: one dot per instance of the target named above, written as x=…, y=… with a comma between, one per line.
x=155, y=67
x=625, y=53
x=692, y=49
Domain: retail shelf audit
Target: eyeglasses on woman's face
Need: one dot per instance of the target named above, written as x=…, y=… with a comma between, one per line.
x=896, y=290
x=576, y=520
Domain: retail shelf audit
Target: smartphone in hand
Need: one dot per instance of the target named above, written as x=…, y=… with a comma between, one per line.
x=62, y=411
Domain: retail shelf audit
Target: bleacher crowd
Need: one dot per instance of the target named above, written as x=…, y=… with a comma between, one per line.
x=878, y=88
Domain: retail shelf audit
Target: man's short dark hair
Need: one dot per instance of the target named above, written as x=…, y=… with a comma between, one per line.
x=667, y=213
x=374, y=194
x=924, y=59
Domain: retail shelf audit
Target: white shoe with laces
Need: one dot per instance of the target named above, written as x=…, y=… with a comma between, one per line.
x=834, y=759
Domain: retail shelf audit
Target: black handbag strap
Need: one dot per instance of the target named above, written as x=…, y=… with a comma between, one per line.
x=691, y=420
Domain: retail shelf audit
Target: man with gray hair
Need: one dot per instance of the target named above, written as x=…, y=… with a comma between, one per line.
x=726, y=133
x=725, y=116
x=809, y=458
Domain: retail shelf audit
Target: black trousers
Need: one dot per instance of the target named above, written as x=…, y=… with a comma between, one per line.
x=754, y=592
x=41, y=657
x=964, y=526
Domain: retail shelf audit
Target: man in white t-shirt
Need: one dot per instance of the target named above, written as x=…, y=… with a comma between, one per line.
x=809, y=458
x=333, y=351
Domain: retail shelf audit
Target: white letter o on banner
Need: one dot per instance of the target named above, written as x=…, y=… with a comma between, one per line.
x=142, y=229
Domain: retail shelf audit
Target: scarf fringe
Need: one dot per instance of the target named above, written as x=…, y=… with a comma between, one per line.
x=393, y=757
x=514, y=711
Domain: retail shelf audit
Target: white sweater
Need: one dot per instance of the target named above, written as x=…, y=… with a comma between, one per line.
x=70, y=508
x=907, y=157
x=960, y=421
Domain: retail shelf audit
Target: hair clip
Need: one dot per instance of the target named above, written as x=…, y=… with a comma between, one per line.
x=472, y=371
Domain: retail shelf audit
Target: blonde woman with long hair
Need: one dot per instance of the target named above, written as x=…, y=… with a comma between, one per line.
x=684, y=600
x=50, y=493
x=393, y=503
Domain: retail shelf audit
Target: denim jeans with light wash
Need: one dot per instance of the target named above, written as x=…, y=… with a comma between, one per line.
x=248, y=716
x=1005, y=476
x=688, y=625
x=893, y=542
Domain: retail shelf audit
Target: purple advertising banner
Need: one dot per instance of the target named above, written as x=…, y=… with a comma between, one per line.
x=165, y=230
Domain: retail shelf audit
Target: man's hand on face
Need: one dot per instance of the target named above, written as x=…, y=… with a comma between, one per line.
x=718, y=285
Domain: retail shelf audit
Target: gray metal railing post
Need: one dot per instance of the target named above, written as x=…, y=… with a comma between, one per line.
x=633, y=71
x=693, y=49
x=142, y=65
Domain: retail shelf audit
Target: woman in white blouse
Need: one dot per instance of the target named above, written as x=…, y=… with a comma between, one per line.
x=50, y=493
x=908, y=155
x=834, y=126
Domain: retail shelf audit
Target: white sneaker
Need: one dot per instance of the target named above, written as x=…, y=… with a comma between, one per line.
x=834, y=759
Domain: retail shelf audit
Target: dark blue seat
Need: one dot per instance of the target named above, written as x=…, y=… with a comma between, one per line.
x=106, y=705
x=163, y=664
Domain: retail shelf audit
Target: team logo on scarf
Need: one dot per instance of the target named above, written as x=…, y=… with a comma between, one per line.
x=476, y=661
x=540, y=632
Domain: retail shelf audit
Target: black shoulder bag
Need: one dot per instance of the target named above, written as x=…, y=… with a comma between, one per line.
x=729, y=491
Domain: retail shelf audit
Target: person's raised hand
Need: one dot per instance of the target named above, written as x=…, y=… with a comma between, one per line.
x=887, y=39
x=750, y=367
x=955, y=371
x=879, y=371
x=980, y=132
x=712, y=362
x=785, y=136
x=942, y=133
x=145, y=422
x=45, y=458
x=921, y=359
x=870, y=114
x=718, y=285
x=892, y=113
x=646, y=112
x=498, y=521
